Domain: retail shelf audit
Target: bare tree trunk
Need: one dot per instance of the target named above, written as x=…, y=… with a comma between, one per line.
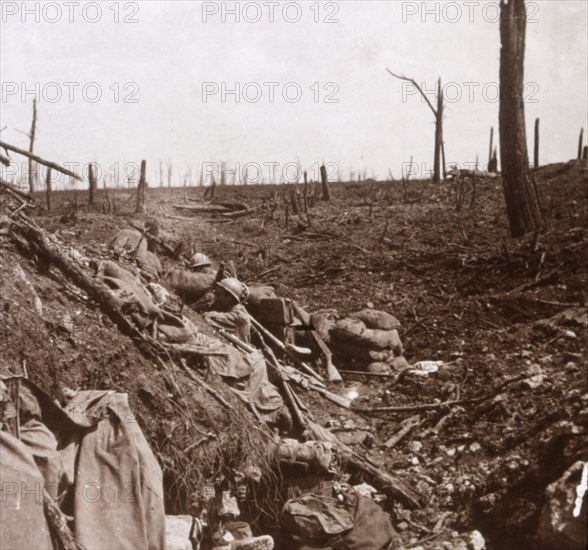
x=438, y=134
x=536, y=151
x=31, y=145
x=490, y=151
x=493, y=166
x=522, y=202
x=48, y=189
x=223, y=174
x=580, y=144
x=438, y=112
x=140, y=206
x=305, y=192
x=92, y=179
x=325, y=183
x=585, y=153
x=444, y=164
x=170, y=170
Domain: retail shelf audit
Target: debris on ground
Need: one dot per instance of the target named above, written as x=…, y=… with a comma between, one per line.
x=441, y=403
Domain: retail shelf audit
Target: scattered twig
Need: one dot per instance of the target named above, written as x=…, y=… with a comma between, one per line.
x=451, y=403
x=409, y=424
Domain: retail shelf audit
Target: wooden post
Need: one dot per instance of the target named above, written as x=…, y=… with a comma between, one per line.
x=490, y=151
x=580, y=144
x=31, y=144
x=140, y=206
x=325, y=184
x=48, y=189
x=92, y=180
x=536, y=154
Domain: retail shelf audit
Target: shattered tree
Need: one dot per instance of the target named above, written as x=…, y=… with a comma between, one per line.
x=522, y=202
x=32, y=170
x=439, y=152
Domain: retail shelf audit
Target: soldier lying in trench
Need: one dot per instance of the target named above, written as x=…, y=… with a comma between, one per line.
x=229, y=313
x=132, y=244
x=195, y=285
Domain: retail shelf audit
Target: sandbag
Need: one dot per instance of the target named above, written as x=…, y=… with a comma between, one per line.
x=348, y=330
x=150, y=265
x=323, y=322
x=126, y=242
x=189, y=285
x=379, y=368
x=315, y=518
x=382, y=339
x=142, y=306
x=372, y=528
x=354, y=331
x=381, y=355
x=399, y=363
x=322, y=456
x=129, y=289
x=374, y=318
x=257, y=293
x=318, y=522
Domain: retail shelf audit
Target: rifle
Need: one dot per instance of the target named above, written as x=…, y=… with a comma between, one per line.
x=231, y=337
x=289, y=396
x=290, y=351
x=332, y=372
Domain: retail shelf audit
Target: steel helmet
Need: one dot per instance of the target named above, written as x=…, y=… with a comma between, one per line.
x=236, y=288
x=199, y=260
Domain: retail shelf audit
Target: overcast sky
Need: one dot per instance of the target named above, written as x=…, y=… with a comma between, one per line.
x=173, y=59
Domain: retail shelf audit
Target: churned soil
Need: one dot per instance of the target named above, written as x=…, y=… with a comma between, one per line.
x=467, y=294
